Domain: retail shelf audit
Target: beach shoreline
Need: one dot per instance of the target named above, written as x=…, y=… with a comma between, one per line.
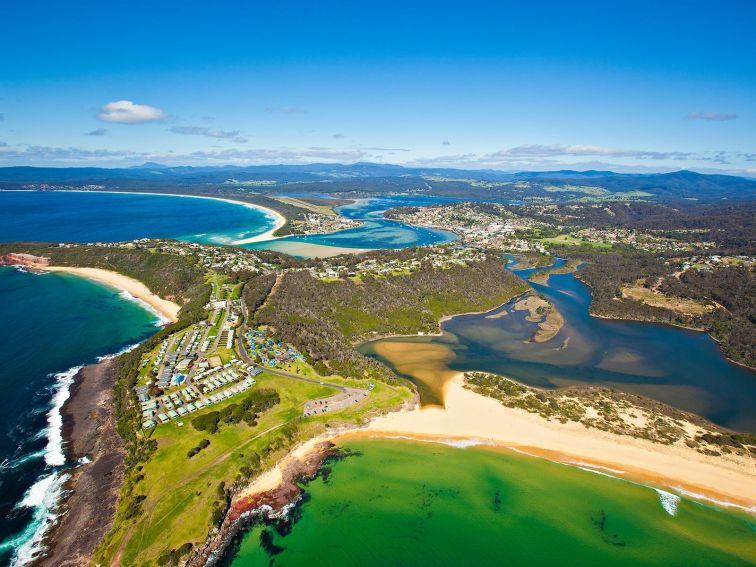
x=302, y=249
x=279, y=219
x=167, y=310
x=469, y=419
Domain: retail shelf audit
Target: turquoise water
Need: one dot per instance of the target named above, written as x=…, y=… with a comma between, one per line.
x=113, y=217
x=397, y=504
x=425, y=504
x=51, y=325
x=376, y=231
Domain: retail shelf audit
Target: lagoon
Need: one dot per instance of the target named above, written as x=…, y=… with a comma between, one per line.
x=676, y=366
x=375, y=232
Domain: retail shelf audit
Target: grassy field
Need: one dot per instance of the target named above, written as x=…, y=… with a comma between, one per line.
x=570, y=240
x=677, y=304
x=320, y=209
x=181, y=493
x=216, y=281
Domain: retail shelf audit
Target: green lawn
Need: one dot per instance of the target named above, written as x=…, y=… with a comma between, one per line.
x=570, y=240
x=181, y=492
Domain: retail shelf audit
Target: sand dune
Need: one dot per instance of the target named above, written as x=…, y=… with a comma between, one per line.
x=468, y=415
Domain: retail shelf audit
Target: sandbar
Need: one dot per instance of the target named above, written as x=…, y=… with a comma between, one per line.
x=309, y=250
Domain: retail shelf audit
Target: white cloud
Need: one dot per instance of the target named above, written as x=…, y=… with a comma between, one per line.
x=712, y=116
x=127, y=112
x=558, y=150
x=210, y=133
x=520, y=158
x=72, y=156
x=97, y=132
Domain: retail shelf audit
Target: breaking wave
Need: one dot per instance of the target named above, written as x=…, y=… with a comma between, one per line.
x=668, y=501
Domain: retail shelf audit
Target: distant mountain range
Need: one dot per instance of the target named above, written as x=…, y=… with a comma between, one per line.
x=383, y=178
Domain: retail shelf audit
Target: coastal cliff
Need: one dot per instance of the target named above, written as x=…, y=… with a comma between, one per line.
x=13, y=259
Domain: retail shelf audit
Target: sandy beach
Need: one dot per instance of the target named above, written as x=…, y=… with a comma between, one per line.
x=279, y=219
x=168, y=310
x=309, y=250
x=471, y=418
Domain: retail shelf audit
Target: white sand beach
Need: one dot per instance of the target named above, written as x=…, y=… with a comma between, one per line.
x=167, y=309
x=310, y=250
x=471, y=418
x=468, y=415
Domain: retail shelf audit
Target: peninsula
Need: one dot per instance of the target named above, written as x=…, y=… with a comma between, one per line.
x=250, y=378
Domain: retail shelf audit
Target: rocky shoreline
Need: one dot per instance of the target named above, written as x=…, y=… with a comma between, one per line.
x=90, y=437
x=268, y=506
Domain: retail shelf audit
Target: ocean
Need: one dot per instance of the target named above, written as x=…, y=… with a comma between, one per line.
x=392, y=503
x=52, y=324
x=56, y=216
x=398, y=502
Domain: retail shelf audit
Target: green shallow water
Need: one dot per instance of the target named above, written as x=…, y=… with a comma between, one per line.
x=409, y=503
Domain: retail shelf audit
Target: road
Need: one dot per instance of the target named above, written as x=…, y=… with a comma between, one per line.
x=348, y=396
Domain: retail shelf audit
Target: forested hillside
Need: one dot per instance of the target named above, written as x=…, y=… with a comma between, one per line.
x=324, y=318
x=173, y=277
x=732, y=289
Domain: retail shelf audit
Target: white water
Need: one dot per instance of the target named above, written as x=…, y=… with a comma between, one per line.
x=161, y=319
x=42, y=497
x=594, y=471
x=715, y=501
x=124, y=350
x=54, y=456
x=668, y=501
x=8, y=464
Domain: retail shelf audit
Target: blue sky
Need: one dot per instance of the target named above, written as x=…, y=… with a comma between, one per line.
x=629, y=86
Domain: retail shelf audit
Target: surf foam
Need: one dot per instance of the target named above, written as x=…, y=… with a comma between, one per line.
x=42, y=497
x=54, y=456
x=668, y=501
x=161, y=319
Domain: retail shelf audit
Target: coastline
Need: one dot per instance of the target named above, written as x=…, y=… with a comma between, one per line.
x=88, y=507
x=304, y=249
x=167, y=310
x=279, y=219
x=468, y=415
x=469, y=419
